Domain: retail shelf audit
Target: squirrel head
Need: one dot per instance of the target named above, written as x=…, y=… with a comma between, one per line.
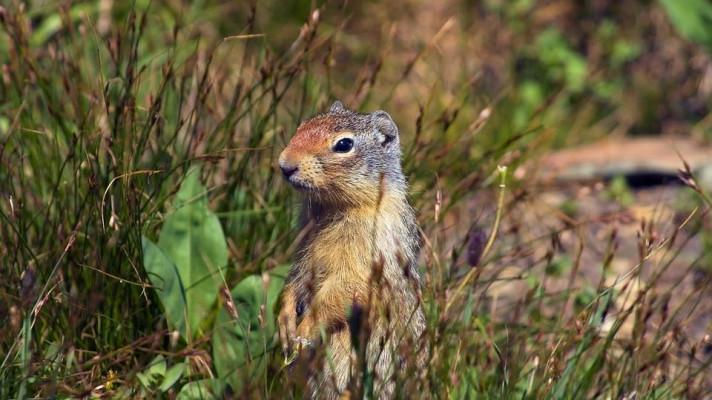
x=344, y=158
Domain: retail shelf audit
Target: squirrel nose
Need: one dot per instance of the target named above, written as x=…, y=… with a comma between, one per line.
x=287, y=170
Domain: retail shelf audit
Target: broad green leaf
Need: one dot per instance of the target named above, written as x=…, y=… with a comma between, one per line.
x=205, y=389
x=165, y=279
x=144, y=379
x=242, y=347
x=172, y=376
x=156, y=369
x=157, y=366
x=193, y=239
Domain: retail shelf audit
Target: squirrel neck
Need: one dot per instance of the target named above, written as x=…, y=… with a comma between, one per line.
x=390, y=198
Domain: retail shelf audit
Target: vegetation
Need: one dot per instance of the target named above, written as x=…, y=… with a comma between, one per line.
x=145, y=229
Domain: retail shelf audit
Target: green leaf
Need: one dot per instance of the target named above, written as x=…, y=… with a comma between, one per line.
x=242, y=347
x=165, y=279
x=205, y=389
x=193, y=239
x=693, y=18
x=172, y=376
x=155, y=370
x=144, y=379
x=157, y=366
x=619, y=191
x=53, y=23
x=559, y=265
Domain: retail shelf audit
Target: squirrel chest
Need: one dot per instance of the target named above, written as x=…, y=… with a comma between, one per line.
x=345, y=250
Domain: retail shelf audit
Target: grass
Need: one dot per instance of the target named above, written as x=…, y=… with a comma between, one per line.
x=104, y=107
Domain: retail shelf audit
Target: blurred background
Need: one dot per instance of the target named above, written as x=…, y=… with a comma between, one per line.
x=597, y=281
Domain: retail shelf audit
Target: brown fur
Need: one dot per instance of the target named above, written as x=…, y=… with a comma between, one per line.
x=357, y=256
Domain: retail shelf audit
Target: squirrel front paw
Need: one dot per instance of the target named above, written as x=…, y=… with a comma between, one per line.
x=306, y=329
x=303, y=342
x=287, y=324
x=299, y=345
x=299, y=340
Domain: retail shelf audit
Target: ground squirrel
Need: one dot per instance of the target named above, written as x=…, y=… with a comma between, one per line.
x=354, y=279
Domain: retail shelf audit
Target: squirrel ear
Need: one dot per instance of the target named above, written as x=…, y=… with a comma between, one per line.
x=337, y=107
x=386, y=127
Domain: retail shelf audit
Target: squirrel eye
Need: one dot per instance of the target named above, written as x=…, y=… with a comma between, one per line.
x=344, y=145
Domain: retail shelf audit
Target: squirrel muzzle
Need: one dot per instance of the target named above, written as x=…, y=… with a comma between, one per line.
x=301, y=170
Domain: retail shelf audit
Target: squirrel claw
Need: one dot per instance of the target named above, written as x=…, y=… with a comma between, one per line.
x=289, y=358
x=301, y=344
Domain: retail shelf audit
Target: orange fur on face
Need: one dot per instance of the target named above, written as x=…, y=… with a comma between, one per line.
x=312, y=137
x=312, y=134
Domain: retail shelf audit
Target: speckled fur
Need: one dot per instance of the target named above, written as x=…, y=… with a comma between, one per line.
x=358, y=253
